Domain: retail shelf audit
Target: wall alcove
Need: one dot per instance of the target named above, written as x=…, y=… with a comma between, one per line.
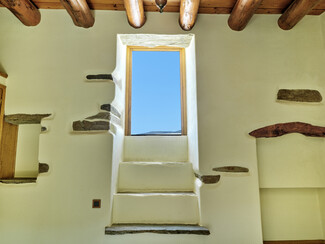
x=292, y=182
x=19, y=145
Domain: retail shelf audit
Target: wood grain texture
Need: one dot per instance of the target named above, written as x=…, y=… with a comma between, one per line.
x=135, y=12
x=296, y=11
x=299, y=95
x=79, y=12
x=242, y=12
x=24, y=10
x=17, y=119
x=18, y=180
x=286, y=128
x=8, y=150
x=188, y=13
x=85, y=125
x=206, y=6
x=231, y=169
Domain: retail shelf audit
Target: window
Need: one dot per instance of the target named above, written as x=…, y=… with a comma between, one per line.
x=155, y=91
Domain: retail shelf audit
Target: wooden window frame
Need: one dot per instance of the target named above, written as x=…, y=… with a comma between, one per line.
x=129, y=85
x=8, y=142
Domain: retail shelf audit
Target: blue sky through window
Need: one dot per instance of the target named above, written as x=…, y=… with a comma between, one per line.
x=156, y=93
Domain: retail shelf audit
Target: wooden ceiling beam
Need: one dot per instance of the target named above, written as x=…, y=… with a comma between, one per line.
x=79, y=12
x=135, y=12
x=24, y=10
x=295, y=12
x=188, y=13
x=242, y=12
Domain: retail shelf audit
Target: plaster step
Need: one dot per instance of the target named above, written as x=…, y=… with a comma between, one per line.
x=155, y=208
x=157, y=229
x=155, y=149
x=155, y=177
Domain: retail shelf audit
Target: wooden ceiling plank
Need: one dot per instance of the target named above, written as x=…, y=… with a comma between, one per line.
x=174, y=9
x=188, y=13
x=42, y=5
x=206, y=6
x=101, y=6
x=215, y=10
x=135, y=12
x=79, y=12
x=242, y=13
x=218, y=3
x=24, y=10
x=296, y=11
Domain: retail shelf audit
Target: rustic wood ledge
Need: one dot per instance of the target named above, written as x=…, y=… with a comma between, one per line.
x=4, y=75
x=18, y=180
x=85, y=125
x=286, y=128
x=17, y=119
x=43, y=168
x=157, y=229
x=299, y=95
x=296, y=242
x=102, y=121
x=208, y=179
x=100, y=77
x=231, y=169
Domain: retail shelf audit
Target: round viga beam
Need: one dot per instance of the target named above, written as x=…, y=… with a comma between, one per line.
x=135, y=12
x=24, y=10
x=188, y=13
x=242, y=12
x=295, y=12
x=79, y=12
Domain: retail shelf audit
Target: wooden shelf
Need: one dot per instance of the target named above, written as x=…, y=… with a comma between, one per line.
x=18, y=180
x=158, y=229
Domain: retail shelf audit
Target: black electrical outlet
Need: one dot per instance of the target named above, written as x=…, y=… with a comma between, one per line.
x=96, y=203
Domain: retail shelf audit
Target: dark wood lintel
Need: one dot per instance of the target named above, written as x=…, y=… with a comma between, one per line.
x=286, y=128
x=17, y=119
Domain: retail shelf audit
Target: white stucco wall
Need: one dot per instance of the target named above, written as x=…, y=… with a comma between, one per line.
x=291, y=214
x=238, y=75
